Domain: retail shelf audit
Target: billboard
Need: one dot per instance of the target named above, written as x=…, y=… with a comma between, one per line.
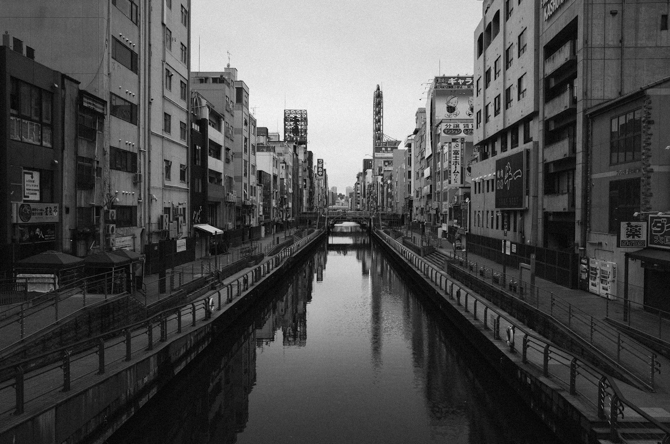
x=511, y=181
x=659, y=231
x=319, y=167
x=632, y=235
x=455, y=162
x=295, y=126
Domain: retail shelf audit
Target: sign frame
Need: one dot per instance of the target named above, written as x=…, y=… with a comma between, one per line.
x=628, y=231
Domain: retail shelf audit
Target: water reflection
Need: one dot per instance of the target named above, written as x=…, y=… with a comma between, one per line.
x=381, y=365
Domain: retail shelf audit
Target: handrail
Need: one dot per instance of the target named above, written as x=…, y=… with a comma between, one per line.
x=62, y=360
x=589, y=374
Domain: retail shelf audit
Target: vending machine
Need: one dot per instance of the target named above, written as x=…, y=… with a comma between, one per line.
x=608, y=286
x=594, y=276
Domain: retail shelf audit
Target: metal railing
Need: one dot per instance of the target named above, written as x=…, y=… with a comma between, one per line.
x=74, y=362
x=576, y=375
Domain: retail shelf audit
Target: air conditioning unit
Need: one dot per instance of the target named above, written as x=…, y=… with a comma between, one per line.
x=110, y=215
x=110, y=229
x=180, y=225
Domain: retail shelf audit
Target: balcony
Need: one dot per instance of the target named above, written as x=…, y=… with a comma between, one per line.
x=559, y=150
x=215, y=191
x=556, y=203
x=563, y=103
x=565, y=54
x=231, y=197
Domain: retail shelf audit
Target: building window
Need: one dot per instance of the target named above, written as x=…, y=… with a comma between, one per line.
x=182, y=130
x=122, y=160
x=496, y=105
x=183, y=169
x=246, y=167
x=85, y=173
x=496, y=67
x=527, y=135
x=167, y=123
x=522, y=42
x=514, y=137
x=214, y=150
x=664, y=22
x=184, y=53
x=521, y=87
x=184, y=16
x=168, y=39
x=168, y=79
x=479, y=118
x=182, y=90
x=487, y=116
x=30, y=113
x=126, y=216
x=624, y=201
x=168, y=3
x=509, y=7
x=626, y=137
x=128, y=8
x=508, y=97
x=124, y=55
x=168, y=169
x=503, y=142
x=123, y=109
x=487, y=78
x=509, y=55
x=197, y=154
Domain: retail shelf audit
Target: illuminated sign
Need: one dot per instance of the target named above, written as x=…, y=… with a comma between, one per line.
x=659, y=231
x=319, y=167
x=510, y=181
x=549, y=7
x=455, y=164
x=451, y=82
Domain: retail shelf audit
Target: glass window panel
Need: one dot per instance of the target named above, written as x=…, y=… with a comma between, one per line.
x=25, y=99
x=35, y=103
x=46, y=107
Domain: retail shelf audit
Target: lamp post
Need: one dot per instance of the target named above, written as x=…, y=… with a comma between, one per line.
x=467, y=228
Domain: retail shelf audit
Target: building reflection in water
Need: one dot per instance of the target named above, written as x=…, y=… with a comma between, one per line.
x=461, y=400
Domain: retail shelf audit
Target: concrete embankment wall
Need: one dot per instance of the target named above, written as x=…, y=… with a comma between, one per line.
x=92, y=411
x=545, y=398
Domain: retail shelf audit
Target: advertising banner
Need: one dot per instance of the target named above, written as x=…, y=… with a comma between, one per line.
x=31, y=185
x=319, y=167
x=510, y=181
x=455, y=165
x=34, y=213
x=659, y=231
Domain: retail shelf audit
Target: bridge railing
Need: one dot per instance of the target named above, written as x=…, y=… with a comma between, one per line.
x=75, y=362
x=577, y=375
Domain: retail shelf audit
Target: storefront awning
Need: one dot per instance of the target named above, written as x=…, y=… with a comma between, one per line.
x=208, y=229
x=652, y=255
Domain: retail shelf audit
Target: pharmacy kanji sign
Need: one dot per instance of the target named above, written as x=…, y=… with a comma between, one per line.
x=632, y=235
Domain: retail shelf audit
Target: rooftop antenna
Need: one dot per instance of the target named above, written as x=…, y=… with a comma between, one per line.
x=228, y=52
x=198, y=53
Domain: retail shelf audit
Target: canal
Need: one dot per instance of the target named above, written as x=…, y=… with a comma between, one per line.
x=342, y=352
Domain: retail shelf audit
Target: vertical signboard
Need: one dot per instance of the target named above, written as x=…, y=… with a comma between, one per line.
x=31, y=185
x=319, y=167
x=510, y=181
x=455, y=167
x=632, y=235
x=659, y=231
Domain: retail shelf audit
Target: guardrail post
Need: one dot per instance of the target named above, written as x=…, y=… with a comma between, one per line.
x=66, y=370
x=218, y=293
x=128, y=347
x=524, y=348
x=22, y=320
x=163, y=324
x=179, y=320
x=474, y=310
x=593, y=328
x=20, y=390
x=486, y=319
x=545, y=366
x=193, y=313
x=655, y=368
x=466, y=302
x=458, y=296
x=510, y=337
x=150, y=336
x=101, y=356
x=573, y=376
x=619, y=346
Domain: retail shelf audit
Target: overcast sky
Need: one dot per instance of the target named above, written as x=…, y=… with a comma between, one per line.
x=328, y=57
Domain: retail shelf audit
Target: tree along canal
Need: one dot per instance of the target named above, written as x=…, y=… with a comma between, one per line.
x=343, y=352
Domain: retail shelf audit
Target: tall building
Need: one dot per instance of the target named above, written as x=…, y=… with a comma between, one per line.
x=503, y=200
x=134, y=105
x=383, y=145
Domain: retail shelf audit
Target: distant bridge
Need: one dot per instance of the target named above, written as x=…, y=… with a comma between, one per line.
x=364, y=218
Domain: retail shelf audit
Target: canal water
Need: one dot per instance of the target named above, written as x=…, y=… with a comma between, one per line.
x=343, y=352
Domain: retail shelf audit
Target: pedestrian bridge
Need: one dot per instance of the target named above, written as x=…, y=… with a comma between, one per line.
x=364, y=218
